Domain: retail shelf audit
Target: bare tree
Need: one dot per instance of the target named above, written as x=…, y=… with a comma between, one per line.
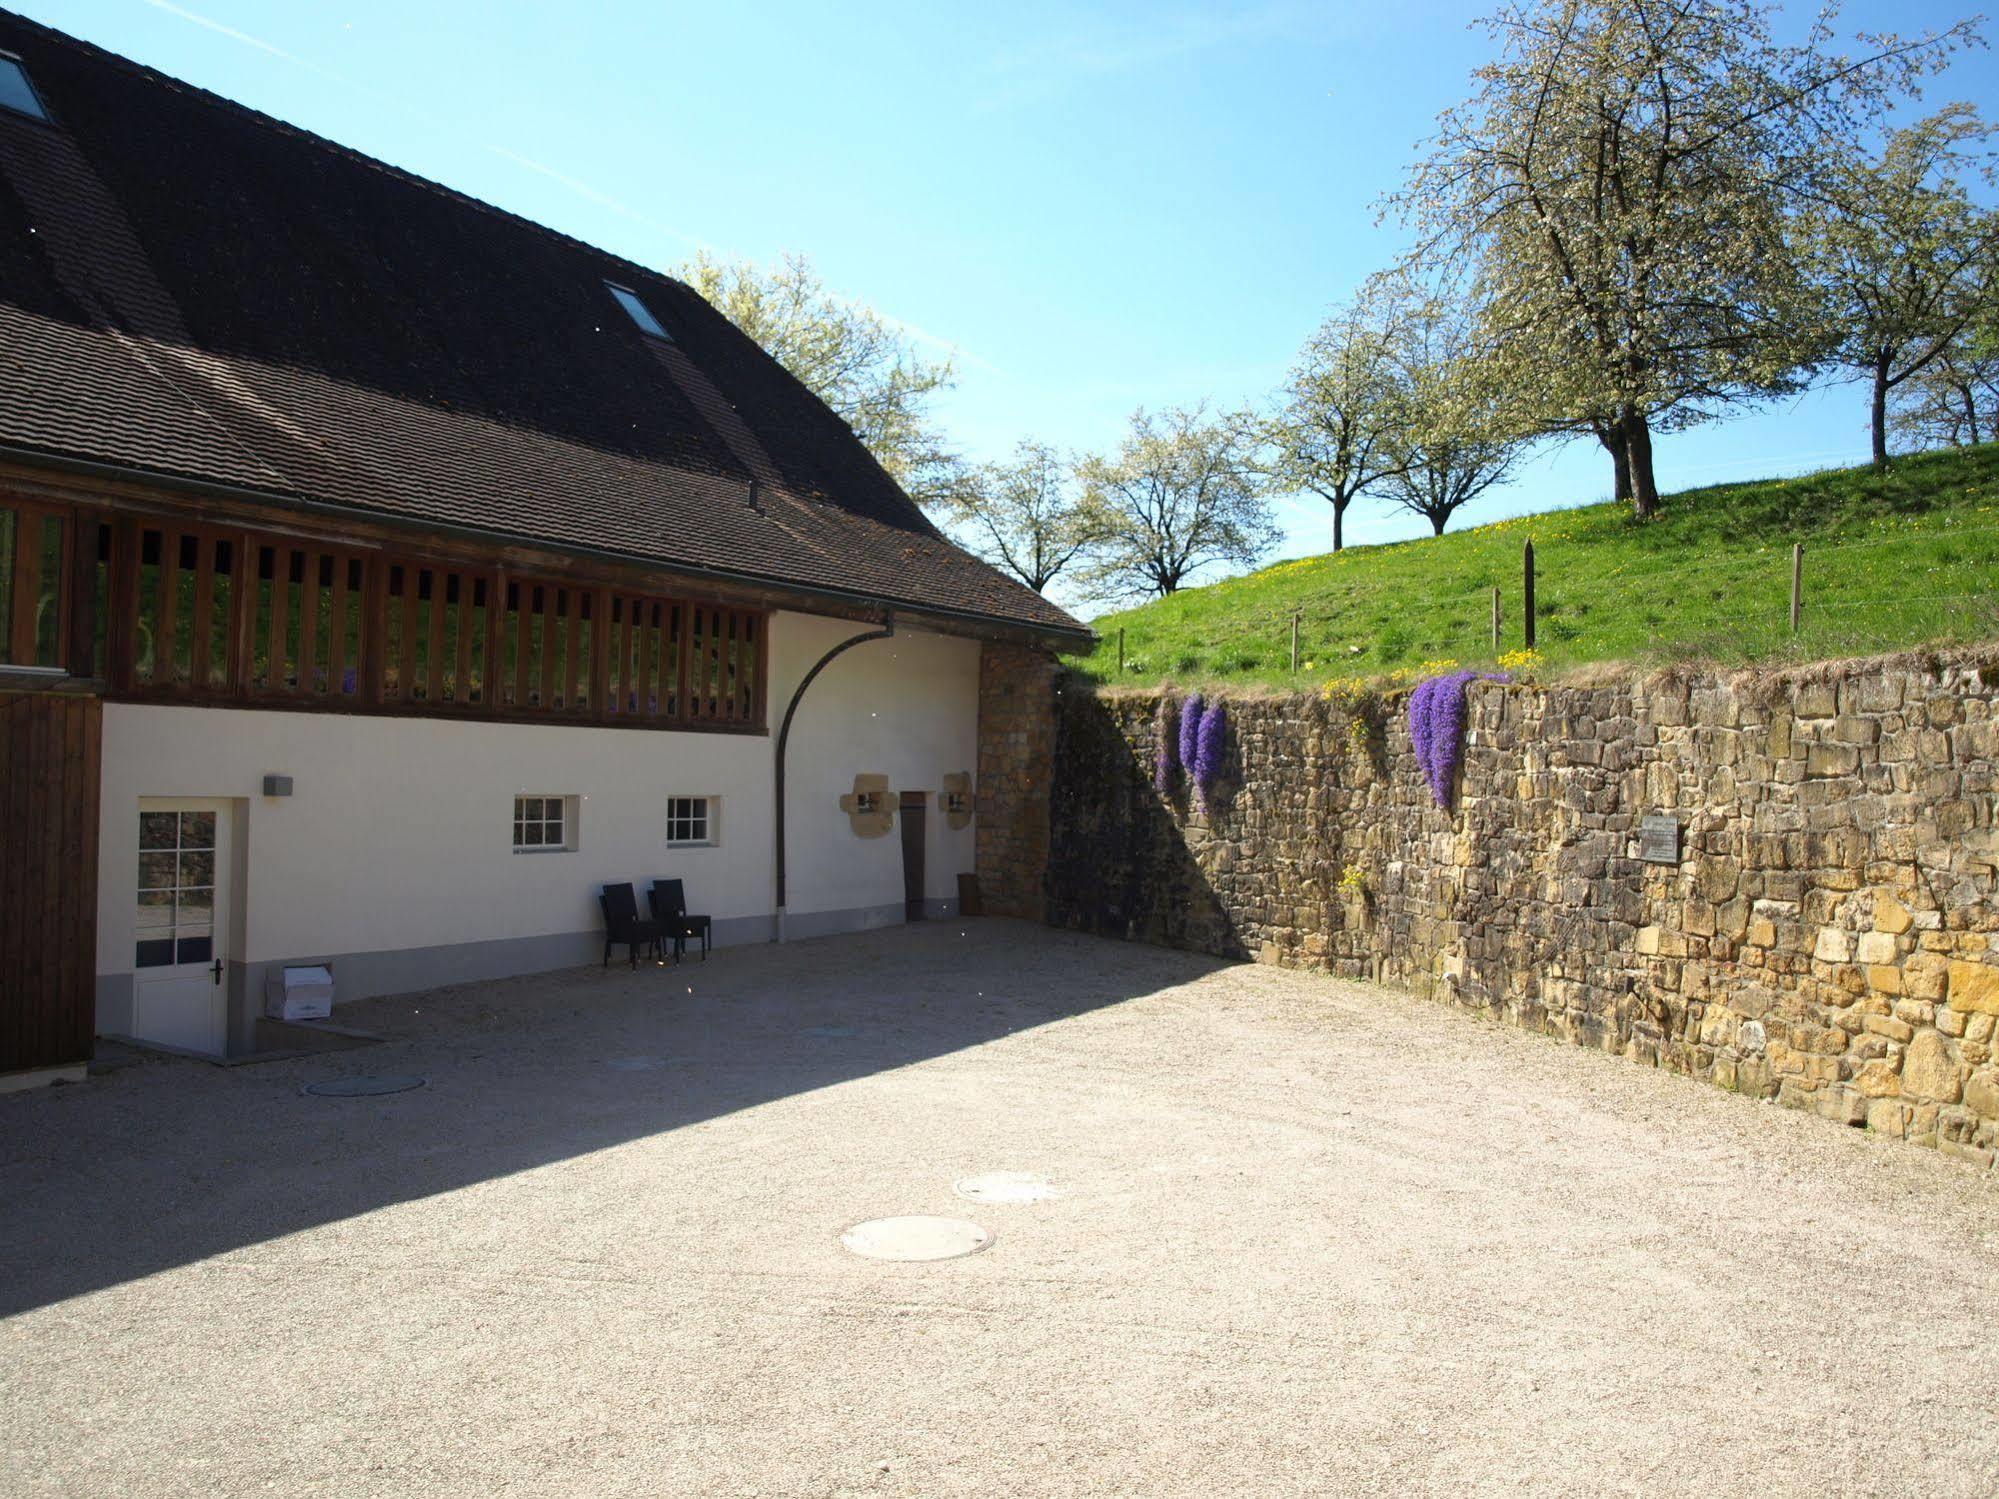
x=1025, y=516
x=1457, y=439
x=1907, y=262
x=1336, y=433
x=1184, y=491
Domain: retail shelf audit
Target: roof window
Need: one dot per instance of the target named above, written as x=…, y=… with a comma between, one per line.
x=638, y=311
x=16, y=92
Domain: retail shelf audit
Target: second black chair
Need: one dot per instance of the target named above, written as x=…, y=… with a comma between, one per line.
x=669, y=911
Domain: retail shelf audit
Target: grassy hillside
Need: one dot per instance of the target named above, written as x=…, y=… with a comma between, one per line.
x=1905, y=559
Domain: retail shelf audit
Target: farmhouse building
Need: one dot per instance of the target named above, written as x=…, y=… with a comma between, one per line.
x=382, y=573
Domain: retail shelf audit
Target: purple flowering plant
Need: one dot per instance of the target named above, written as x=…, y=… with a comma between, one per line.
x=1190, y=731
x=1166, y=758
x=1210, y=741
x=1437, y=728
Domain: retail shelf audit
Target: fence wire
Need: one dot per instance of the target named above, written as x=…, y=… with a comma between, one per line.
x=1341, y=635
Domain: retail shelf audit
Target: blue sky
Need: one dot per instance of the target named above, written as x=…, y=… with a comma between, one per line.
x=1092, y=207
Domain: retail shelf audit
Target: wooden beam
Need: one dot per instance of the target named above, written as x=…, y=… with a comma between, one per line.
x=201, y=622
x=461, y=676
x=80, y=651
x=336, y=625
x=523, y=600
x=573, y=685
x=406, y=667
x=489, y=663
x=600, y=652
x=166, y=608
x=374, y=629
x=308, y=622
x=551, y=608
x=122, y=608
x=26, y=586
x=278, y=658
x=434, y=652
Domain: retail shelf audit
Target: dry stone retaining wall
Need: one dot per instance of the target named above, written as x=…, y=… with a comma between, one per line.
x=1829, y=938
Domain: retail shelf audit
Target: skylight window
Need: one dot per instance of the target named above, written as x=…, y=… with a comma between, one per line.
x=16, y=93
x=638, y=311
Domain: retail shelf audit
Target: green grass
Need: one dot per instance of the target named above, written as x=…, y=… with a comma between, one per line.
x=1892, y=561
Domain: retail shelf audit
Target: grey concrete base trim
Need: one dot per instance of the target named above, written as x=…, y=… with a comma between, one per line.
x=802, y=925
x=43, y=1077
x=364, y=975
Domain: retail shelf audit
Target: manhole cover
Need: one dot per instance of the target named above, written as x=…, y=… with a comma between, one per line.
x=1008, y=1187
x=916, y=1238
x=364, y=1086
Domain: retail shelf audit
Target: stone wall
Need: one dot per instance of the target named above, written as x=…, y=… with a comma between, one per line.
x=1017, y=686
x=1829, y=937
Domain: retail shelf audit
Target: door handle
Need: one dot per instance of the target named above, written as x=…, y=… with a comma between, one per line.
x=217, y=971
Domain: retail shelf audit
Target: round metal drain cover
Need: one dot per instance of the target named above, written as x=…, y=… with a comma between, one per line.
x=363, y=1086
x=1009, y=1187
x=916, y=1238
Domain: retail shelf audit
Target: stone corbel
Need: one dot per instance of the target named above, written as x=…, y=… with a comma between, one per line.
x=869, y=807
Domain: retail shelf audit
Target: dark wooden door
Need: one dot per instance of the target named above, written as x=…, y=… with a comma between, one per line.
x=49, y=746
x=914, y=804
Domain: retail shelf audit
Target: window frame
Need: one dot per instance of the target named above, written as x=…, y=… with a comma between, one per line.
x=564, y=822
x=638, y=310
x=710, y=822
x=40, y=113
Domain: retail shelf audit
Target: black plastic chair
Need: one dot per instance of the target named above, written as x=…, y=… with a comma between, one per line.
x=622, y=923
x=669, y=911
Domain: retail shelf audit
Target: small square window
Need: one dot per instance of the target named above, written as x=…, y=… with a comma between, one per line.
x=638, y=311
x=693, y=821
x=16, y=92
x=542, y=824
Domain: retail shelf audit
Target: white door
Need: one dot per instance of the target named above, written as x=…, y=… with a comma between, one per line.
x=178, y=994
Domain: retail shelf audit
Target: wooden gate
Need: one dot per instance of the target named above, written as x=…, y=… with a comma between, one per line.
x=49, y=749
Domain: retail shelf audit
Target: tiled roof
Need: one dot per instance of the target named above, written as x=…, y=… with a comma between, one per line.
x=194, y=290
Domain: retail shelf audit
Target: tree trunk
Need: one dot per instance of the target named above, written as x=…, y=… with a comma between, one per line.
x=1437, y=521
x=1339, y=523
x=1638, y=460
x=1878, y=416
x=1611, y=435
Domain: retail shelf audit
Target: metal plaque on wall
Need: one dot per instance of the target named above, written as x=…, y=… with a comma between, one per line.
x=1659, y=840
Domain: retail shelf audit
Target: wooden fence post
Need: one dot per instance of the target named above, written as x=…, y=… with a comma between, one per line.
x=1294, y=642
x=1527, y=594
x=1797, y=584
x=1495, y=621
x=1120, y=650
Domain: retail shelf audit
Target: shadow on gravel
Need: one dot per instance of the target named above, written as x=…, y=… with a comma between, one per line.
x=170, y=1162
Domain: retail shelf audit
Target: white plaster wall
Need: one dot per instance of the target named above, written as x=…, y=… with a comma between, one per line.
x=398, y=834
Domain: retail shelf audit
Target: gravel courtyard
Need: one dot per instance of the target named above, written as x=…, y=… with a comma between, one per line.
x=1311, y=1238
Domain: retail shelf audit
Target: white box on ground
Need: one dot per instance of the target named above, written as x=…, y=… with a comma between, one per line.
x=303, y=993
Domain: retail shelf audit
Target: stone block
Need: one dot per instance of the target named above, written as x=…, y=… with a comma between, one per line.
x=1890, y=915
x=1888, y=1116
x=1833, y=946
x=1981, y=1094
x=1874, y=947
x=1974, y=987
x=1827, y=760
x=1929, y=1070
